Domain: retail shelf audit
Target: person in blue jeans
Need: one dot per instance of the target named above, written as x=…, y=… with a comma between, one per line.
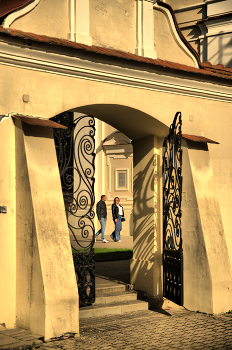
x=102, y=217
x=117, y=213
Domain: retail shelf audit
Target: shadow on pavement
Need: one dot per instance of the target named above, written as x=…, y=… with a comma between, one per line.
x=116, y=270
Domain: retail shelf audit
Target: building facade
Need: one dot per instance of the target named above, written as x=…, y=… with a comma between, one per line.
x=127, y=64
x=207, y=26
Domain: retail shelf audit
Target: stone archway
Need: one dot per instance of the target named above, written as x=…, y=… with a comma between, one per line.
x=42, y=81
x=35, y=155
x=147, y=228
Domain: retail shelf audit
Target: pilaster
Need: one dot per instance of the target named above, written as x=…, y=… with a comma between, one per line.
x=79, y=22
x=145, y=29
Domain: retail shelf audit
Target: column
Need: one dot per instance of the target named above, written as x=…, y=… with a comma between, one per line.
x=147, y=251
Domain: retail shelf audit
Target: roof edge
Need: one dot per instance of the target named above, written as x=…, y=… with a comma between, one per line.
x=206, y=70
x=195, y=138
x=37, y=121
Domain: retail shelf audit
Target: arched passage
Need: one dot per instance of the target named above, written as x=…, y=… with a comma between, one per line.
x=147, y=136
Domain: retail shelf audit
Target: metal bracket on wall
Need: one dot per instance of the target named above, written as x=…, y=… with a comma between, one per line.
x=3, y=209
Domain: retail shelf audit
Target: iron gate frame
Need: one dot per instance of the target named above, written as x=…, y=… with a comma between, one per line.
x=172, y=198
x=75, y=149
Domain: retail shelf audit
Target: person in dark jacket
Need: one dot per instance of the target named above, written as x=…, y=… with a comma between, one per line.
x=117, y=213
x=102, y=217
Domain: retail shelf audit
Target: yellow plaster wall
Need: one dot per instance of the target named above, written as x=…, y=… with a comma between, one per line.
x=8, y=224
x=36, y=258
x=113, y=24
x=131, y=111
x=60, y=287
x=166, y=46
x=47, y=18
x=30, y=297
x=197, y=280
x=213, y=247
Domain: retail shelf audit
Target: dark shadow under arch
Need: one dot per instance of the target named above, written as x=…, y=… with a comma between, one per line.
x=132, y=122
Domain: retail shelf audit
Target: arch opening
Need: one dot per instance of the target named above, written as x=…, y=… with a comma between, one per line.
x=140, y=174
x=130, y=121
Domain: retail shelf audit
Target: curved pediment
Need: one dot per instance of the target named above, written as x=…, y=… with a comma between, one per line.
x=170, y=44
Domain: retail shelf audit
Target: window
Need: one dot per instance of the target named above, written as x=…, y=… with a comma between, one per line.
x=121, y=180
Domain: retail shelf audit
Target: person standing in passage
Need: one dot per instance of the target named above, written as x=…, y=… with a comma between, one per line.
x=102, y=217
x=117, y=213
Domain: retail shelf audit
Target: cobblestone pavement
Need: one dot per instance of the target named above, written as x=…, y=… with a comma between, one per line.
x=172, y=329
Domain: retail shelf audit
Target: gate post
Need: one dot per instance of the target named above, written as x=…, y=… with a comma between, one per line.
x=146, y=264
x=8, y=224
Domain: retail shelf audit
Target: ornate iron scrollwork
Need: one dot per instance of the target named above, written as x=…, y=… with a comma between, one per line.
x=172, y=197
x=75, y=155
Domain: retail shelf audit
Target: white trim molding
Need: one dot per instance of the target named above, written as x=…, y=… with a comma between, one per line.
x=145, y=29
x=79, y=22
x=19, y=13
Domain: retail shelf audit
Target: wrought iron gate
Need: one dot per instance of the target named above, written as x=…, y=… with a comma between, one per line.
x=75, y=155
x=172, y=196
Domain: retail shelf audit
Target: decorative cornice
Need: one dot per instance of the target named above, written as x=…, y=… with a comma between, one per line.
x=75, y=67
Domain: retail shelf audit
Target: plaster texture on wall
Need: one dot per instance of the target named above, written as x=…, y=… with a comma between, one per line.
x=46, y=18
x=147, y=251
x=30, y=296
x=220, y=49
x=113, y=24
x=139, y=113
x=166, y=45
x=41, y=283
x=197, y=276
x=59, y=282
x=8, y=224
x=218, y=7
x=212, y=251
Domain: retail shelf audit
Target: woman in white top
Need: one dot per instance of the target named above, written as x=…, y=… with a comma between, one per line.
x=117, y=213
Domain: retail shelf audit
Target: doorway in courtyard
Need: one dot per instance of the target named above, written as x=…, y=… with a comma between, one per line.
x=75, y=148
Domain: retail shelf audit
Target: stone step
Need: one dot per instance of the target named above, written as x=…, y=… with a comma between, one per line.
x=112, y=308
x=114, y=297
x=108, y=289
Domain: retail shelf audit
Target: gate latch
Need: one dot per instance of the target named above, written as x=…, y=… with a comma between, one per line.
x=3, y=209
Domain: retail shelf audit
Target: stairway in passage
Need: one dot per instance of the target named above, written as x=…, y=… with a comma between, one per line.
x=112, y=298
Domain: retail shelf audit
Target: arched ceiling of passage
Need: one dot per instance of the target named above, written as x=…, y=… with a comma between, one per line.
x=132, y=122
